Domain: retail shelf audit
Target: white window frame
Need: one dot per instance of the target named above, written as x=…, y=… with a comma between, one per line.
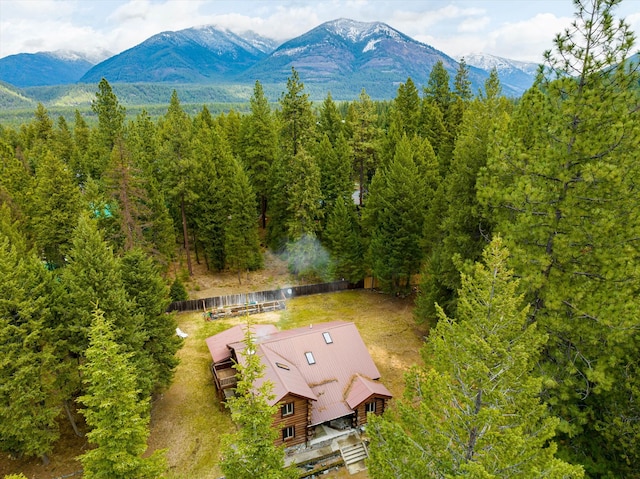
x=287, y=409
x=288, y=433
x=370, y=407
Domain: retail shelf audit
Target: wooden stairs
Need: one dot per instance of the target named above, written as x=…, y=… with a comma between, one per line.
x=354, y=453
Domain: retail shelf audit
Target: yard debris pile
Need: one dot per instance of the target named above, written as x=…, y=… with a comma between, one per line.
x=244, y=309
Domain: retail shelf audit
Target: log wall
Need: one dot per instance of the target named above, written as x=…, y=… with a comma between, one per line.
x=299, y=419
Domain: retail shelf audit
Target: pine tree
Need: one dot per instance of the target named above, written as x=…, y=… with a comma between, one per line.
x=259, y=147
x=474, y=409
x=404, y=118
x=111, y=116
x=63, y=145
x=37, y=137
x=296, y=199
x=304, y=197
x=79, y=162
x=250, y=452
x=125, y=185
x=230, y=127
x=438, y=94
x=118, y=418
x=178, y=292
x=342, y=238
x=93, y=276
x=334, y=163
x=215, y=176
x=365, y=135
x=330, y=121
x=297, y=119
x=55, y=209
x=464, y=228
x=242, y=243
x=29, y=397
x=150, y=295
x=562, y=186
x=393, y=220
x=178, y=165
x=16, y=182
x=157, y=225
x=462, y=83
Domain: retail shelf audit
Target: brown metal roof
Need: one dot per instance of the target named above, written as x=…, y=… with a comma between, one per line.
x=219, y=344
x=362, y=389
x=339, y=357
x=284, y=375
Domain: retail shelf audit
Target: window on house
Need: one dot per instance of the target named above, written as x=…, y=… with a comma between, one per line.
x=310, y=358
x=288, y=433
x=287, y=409
x=370, y=406
x=327, y=338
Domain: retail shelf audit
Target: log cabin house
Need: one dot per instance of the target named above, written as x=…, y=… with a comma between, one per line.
x=321, y=375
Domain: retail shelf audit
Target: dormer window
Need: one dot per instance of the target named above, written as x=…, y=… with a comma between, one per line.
x=310, y=358
x=327, y=338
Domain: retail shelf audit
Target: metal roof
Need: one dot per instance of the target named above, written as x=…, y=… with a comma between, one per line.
x=362, y=388
x=343, y=371
x=219, y=344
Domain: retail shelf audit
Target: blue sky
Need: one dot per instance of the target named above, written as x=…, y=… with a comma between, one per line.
x=516, y=29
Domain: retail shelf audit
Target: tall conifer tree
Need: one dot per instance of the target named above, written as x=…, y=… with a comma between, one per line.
x=297, y=118
x=562, y=184
x=393, y=220
x=177, y=166
x=343, y=239
x=29, y=397
x=150, y=296
x=55, y=209
x=118, y=418
x=474, y=409
x=365, y=135
x=242, y=243
x=463, y=228
x=259, y=147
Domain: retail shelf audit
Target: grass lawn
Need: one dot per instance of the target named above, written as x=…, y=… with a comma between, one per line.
x=188, y=420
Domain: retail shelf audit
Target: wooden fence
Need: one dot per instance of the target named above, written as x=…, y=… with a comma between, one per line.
x=258, y=298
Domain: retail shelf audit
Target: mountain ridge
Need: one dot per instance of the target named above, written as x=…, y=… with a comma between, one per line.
x=342, y=56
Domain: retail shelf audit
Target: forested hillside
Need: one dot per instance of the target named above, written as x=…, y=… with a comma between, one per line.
x=533, y=370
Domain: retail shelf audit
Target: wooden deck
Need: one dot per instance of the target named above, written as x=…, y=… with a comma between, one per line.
x=227, y=377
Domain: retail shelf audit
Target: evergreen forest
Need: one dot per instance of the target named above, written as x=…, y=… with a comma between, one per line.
x=514, y=223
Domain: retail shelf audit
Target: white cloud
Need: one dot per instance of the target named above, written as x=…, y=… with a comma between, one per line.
x=474, y=24
x=527, y=40
x=454, y=27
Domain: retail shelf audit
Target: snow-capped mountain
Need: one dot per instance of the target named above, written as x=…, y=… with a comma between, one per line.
x=43, y=68
x=93, y=57
x=342, y=56
x=512, y=73
x=195, y=55
x=346, y=54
